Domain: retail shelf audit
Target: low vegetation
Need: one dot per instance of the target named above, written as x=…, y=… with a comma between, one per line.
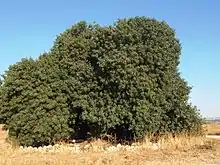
x=181, y=150
x=213, y=128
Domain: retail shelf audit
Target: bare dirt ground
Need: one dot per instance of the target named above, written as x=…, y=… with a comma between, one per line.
x=172, y=151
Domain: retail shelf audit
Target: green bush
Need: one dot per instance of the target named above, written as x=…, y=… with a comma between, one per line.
x=35, y=111
x=121, y=79
x=1, y=103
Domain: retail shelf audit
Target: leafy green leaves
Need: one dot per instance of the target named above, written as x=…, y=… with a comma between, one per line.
x=121, y=79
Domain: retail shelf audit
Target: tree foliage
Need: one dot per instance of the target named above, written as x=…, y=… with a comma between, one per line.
x=120, y=79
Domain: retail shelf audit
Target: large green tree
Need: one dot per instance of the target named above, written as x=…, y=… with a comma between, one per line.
x=121, y=79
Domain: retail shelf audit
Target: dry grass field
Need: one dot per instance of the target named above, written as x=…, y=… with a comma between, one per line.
x=213, y=128
x=170, y=151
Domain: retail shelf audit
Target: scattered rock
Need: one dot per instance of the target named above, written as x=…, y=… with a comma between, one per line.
x=78, y=148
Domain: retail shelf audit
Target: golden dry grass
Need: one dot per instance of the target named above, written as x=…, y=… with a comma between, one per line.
x=213, y=128
x=181, y=150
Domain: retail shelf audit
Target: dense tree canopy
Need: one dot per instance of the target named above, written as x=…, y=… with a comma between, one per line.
x=120, y=79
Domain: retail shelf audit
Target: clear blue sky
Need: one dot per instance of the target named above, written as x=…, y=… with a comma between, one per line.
x=30, y=27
